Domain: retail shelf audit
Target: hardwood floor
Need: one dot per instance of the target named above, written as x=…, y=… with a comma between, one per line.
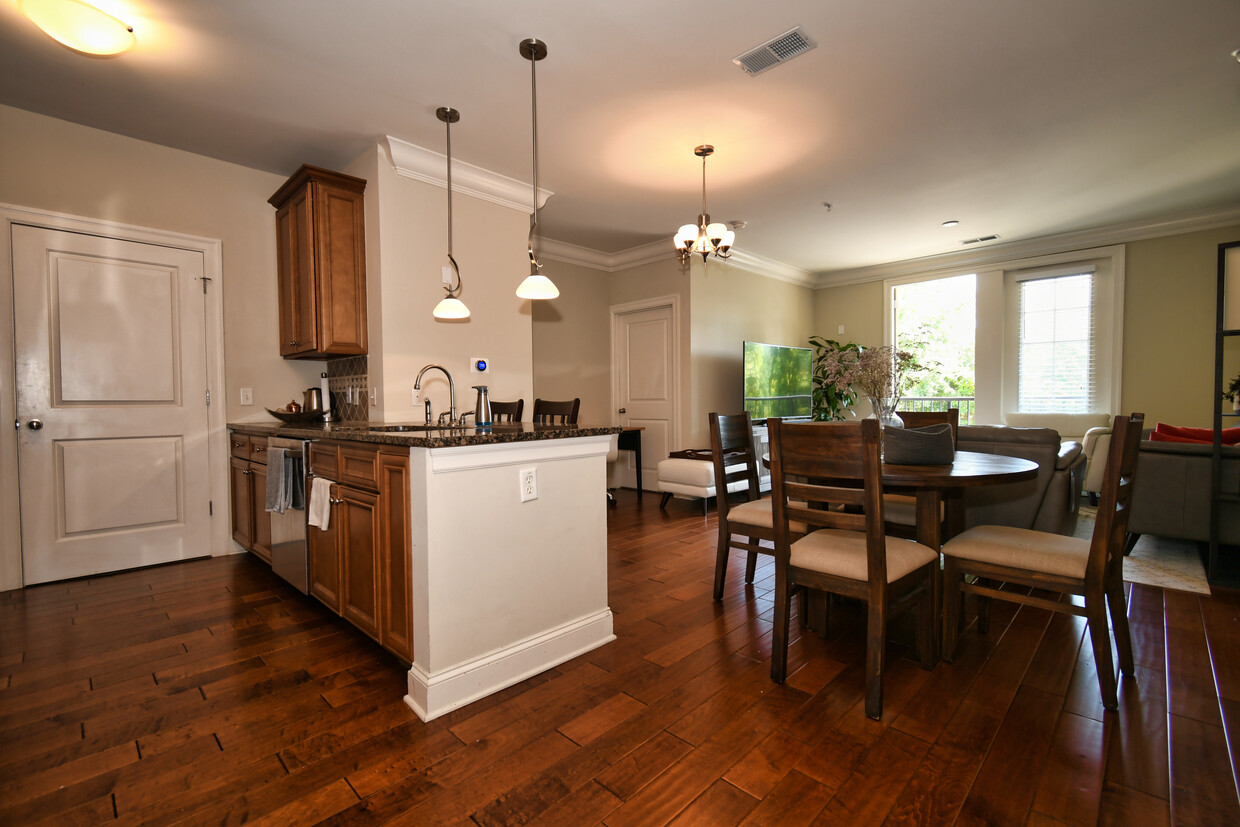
x=209, y=691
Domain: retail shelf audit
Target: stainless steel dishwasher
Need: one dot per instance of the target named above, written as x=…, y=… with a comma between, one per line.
x=289, y=550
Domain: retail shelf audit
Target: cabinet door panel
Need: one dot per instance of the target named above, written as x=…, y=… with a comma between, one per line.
x=341, y=264
x=358, y=516
x=295, y=269
x=262, y=520
x=396, y=620
x=325, y=560
x=242, y=501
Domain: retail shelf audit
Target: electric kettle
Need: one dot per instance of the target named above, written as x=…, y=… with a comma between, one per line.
x=314, y=401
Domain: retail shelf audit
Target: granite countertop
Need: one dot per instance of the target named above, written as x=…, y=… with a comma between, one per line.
x=418, y=435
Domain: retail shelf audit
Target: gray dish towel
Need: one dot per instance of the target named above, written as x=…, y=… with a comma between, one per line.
x=277, y=490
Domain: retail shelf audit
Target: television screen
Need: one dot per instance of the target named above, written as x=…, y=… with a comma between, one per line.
x=778, y=381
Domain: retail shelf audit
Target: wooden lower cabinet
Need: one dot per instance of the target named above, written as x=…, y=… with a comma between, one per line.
x=359, y=566
x=251, y=525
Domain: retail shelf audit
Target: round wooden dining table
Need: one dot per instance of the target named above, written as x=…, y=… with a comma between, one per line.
x=940, y=488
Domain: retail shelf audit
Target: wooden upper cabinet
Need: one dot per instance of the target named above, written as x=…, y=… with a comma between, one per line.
x=321, y=264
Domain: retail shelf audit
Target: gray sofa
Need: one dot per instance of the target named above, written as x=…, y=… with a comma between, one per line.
x=1049, y=502
x=1171, y=497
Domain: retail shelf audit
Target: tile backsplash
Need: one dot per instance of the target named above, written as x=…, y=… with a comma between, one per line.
x=349, y=384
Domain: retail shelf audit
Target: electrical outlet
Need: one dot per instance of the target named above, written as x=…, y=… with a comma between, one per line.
x=247, y=396
x=374, y=397
x=479, y=365
x=529, y=484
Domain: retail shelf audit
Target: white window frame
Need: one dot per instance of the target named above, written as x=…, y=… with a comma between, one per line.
x=998, y=327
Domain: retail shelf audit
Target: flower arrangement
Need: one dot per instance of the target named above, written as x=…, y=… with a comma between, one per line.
x=878, y=373
x=831, y=400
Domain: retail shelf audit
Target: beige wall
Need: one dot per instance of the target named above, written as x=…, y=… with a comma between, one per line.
x=1169, y=318
x=407, y=226
x=57, y=166
x=572, y=342
x=731, y=305
x=1169, y=313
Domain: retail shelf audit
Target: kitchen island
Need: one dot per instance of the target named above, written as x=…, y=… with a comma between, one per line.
x=507, y=550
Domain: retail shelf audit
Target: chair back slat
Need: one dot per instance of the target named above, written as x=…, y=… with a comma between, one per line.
x=507, y=411
x=1111, y=523
x=549, y=412
x=731, y=446
x=828, y=465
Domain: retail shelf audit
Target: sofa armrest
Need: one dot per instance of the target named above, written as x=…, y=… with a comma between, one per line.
x=1070, y=455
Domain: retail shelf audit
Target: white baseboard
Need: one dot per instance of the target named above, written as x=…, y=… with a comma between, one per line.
x=433, y=695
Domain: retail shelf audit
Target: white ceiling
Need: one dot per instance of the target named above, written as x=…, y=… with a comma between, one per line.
x=1018, y=119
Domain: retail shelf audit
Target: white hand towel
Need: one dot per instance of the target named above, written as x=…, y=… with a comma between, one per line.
x=320, y=511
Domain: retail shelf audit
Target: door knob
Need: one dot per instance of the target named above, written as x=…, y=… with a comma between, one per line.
x=623, y=410
x=34, y=424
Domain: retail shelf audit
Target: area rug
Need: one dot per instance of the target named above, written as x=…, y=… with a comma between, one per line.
x=1157, y=561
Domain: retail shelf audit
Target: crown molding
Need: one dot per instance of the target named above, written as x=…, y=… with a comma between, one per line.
x=1197, y=221
x=657, y=251
x=422, y=164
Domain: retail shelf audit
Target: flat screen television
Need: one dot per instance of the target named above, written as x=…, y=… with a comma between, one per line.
x=778, y=381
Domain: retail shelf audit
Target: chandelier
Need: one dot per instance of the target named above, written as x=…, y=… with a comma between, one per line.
x=704, y=237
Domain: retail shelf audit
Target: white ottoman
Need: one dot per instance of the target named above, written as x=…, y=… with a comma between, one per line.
x=683, y=477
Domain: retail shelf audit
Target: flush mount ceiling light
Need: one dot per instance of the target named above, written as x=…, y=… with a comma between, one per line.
x=450, y=307
x=951, y=222
x=704, y=237
x=536, y=285
x=79, y=26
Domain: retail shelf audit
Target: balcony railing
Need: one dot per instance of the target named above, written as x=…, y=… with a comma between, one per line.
x=940, y=403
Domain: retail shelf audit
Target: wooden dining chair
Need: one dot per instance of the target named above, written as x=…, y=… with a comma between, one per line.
x=826, y=465
x=507, y=411
x=744, y=524
x=547, y=412
x=901, y=509
x=1041, y=560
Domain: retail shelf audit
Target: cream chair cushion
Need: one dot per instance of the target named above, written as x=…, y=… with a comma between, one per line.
x=843, y=554
x=1021, y=548
x=758, y=513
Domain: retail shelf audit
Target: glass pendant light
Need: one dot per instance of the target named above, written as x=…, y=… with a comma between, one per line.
x=536, y=285
x=705, y=237
x=450, y=307
x=79, y=26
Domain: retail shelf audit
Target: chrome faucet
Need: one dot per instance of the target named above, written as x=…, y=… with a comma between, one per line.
x=417, y=386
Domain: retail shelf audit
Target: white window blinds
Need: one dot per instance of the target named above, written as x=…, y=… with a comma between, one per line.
x=1058, y=344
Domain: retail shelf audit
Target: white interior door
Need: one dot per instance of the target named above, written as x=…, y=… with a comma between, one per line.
x=644, y=348
x=111, y=402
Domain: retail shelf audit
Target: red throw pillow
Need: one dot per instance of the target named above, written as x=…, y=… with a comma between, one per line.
x=1231, y=436
x=1156, y=436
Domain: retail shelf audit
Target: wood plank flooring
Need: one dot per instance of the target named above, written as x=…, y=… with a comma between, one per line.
x=210, y=692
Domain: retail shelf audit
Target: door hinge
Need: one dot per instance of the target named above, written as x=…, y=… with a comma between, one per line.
x=204, y=280
x=210, y=508
x=208, y=397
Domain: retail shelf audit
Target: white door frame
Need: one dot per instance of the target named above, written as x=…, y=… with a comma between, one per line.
x=217, y=436
x=673, y=301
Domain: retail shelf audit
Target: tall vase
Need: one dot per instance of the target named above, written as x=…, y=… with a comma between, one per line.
x=885, y=411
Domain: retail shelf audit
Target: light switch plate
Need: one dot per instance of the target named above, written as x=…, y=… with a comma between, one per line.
x=247, y=396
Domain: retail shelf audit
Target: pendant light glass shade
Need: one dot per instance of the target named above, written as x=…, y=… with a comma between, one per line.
x=450, y=307
x=535, y=285
x=79, y=26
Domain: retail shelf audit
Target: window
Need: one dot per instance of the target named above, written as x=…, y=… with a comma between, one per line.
x=936, y=320
x=1055, y=357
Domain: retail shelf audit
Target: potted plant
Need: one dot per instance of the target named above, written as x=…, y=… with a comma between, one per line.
x=832, y=398
x=879, y=373
x=1232, y=394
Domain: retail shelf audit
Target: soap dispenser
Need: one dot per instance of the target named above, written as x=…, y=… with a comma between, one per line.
x=482, y=408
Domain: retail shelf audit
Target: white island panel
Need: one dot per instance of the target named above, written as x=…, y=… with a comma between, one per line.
x=504, y=589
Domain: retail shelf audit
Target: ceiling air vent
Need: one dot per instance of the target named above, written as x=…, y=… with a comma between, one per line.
x=979, y=239
x=773, y=52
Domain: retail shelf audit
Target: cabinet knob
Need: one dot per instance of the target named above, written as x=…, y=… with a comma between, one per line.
x=335, y=501
x=259, y=450
x=293, y=343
